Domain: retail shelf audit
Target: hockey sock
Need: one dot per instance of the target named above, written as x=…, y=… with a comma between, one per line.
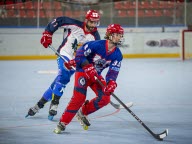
x=42, y=102
x=55, y=99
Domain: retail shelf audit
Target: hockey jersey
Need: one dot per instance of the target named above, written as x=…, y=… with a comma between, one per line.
x=74, y=34
x=96, y=52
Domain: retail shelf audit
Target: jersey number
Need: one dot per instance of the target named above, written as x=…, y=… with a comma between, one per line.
x=54, y=21
x=116, y=63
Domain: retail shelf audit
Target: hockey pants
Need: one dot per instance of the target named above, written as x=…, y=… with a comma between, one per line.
x=60, y=82
x=79, y=97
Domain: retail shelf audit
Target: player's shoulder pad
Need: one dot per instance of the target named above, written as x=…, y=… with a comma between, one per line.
x=71, y=21
x=97, y=43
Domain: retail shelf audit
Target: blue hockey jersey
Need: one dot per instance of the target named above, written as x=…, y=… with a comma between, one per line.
x=74, y=34
x=96, y=52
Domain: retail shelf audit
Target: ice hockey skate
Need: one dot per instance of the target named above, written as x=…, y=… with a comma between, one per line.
x=60, y=127
x=33, y=110
x=52, y=111
x=84, y=122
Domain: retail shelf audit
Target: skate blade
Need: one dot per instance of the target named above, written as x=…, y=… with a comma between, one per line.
x=26, y=116
x=50, y=117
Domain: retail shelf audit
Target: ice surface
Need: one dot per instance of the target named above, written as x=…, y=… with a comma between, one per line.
x=159, y=88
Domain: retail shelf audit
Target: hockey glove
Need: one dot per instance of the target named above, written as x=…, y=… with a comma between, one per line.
x=90, y=72
x=46, y=39
x=110, y=87
x=70, y=64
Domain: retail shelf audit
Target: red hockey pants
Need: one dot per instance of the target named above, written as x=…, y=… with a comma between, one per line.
x=79, y=97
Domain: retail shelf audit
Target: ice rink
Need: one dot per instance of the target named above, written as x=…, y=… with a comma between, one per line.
x=161, y=90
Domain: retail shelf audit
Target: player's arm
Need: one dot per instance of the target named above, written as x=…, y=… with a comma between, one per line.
x=113, y=71
x=111, y=76
x=46, y=39
x=58, y=22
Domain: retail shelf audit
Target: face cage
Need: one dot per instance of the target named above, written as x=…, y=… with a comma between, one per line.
x=93, y=20
x=98, y=23
x=121, y=41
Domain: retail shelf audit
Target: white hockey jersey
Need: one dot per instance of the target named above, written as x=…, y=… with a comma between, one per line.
x=74, y=35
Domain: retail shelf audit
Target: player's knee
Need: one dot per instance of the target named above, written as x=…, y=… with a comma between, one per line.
x=58, y=88
x=76, y=102
x=78, y=99
x=106, y=100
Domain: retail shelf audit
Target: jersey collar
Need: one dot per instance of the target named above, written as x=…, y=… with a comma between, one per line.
x=107, y=48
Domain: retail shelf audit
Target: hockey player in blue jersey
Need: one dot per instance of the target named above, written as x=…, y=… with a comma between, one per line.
x=75, y=33
x=91, y=59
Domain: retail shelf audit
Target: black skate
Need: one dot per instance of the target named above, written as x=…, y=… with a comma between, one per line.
x=52, y=111
x=33, y=110
x=60, y=127
x=84, y=122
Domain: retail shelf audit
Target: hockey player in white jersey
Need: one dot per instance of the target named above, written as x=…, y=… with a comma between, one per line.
x=75, y=33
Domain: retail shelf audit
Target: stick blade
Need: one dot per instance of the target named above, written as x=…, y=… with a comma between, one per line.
x=119, y=106
x=129, y=104
x=162, y=135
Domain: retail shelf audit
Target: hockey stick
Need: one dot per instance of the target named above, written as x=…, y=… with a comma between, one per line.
x=157, y=136
x=117, y=106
